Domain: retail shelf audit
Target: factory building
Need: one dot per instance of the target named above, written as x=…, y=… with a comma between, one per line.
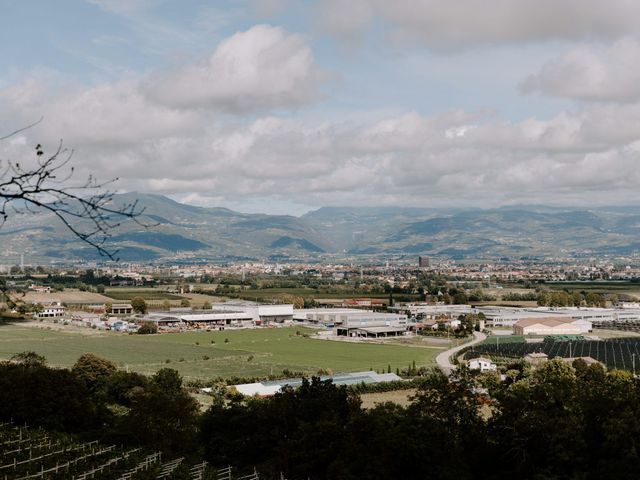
x=371, y=324
x=551, y=326
x=220, y=316
x=351, y=322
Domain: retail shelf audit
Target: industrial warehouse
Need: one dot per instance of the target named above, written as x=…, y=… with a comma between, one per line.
x=224, y=315
x=356, y=323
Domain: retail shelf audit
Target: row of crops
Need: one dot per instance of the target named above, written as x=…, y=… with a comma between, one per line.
x=35, y=454
x=620, y=353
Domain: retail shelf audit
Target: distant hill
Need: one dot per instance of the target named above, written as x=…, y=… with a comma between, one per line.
x=179, y=231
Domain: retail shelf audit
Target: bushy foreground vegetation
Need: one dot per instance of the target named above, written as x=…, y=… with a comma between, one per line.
x=557, y=421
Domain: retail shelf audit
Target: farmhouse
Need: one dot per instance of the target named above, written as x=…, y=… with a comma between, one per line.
x=52, y=310
x=482, y=364
x=40, y=288
x=536, y=358
x=551, y=326
x=435, y=324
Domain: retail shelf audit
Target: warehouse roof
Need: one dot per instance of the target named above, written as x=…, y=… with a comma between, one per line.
x=547, y=321
x=272, y=387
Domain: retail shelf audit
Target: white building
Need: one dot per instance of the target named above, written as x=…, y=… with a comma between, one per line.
x=238, y=315
x=324, y=316
x=482, y=364
x=52, y=310
x=371, y=324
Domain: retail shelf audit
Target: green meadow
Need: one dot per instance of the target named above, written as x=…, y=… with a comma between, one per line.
x=203, y=355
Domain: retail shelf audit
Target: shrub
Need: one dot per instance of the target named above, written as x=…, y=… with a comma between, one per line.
x=148, y=328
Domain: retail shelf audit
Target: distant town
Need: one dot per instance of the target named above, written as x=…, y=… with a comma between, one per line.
x=429, y=302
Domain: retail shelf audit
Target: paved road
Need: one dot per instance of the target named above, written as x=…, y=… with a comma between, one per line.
x=443, y=359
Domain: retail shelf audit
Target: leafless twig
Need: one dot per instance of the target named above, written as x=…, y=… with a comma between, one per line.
x=86, y=209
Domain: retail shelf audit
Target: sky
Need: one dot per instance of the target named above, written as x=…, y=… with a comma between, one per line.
x=283, y=106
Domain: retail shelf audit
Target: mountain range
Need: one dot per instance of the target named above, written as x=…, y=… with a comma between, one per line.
x=176, y=231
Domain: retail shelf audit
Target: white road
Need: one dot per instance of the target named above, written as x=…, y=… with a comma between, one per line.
x=443, y=359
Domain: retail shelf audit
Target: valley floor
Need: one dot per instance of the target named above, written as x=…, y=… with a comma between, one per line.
x=206, y=355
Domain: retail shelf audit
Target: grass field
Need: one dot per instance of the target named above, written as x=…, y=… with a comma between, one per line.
x=248, y=353
x=69, y=296
x=602, y=287
x=266, y=293
x=400, y=397
x=120, y=294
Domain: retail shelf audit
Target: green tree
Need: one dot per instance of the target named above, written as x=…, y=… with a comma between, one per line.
x=93, y=371
x=121, y=385
x=540, y=422
x=52, y=398
x=148, y=328
x=29, y=359
x=185, y=303
x=163, y=415
x=309, y=424
x=460, y=298
x=543, y=299
x=139, y=305
x=576, y=297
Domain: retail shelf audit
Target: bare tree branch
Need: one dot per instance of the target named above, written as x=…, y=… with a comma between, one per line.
x=86, y=209
x=22, y=129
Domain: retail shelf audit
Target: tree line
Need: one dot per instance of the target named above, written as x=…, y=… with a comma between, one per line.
x=558, y=421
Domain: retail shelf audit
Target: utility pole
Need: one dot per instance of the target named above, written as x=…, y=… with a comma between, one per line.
x=633, y=362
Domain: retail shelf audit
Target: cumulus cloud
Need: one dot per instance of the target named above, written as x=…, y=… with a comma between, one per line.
x=612, y=74
x=261, y=68
x=174, y=136
x=454, y=158
x=112, y=114
x=446, y=25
